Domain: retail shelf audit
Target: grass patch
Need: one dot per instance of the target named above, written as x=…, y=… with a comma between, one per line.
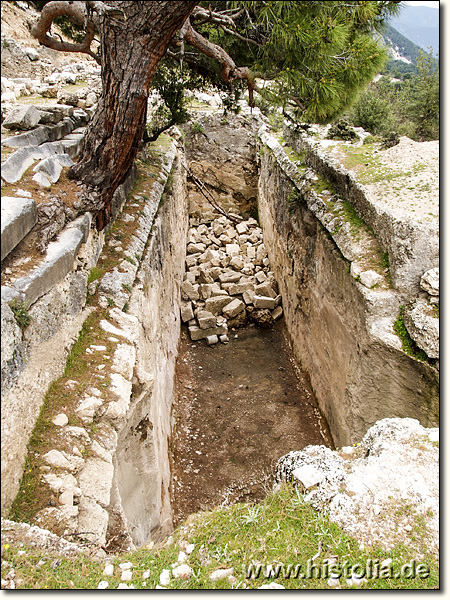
x=94, y=274
x=33, y=495
x=282, y=530
x=20, y=312
x=322, y=184
x=81, y=366
x=352, y=217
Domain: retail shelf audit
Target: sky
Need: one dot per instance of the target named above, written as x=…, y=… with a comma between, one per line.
x=429, y=3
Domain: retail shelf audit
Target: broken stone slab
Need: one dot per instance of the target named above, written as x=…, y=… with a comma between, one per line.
x=43, y=133
x=191, y=260
x=93, y=519
x=199, y=334
x=206, y=319
x=215, y=272
x=55, y=458
x=232, y=309
x=232, y=249
x=264, y=302
x=209, y=256
x=248, y=296
x=62, y=482
x=66, y=498
x=186, y=311
x=124, y=360
x=212, y=339
x=242, y=227
x=308, y=476
x=229, y=277
x=32, y=138
x=221, y=574
x=422, y=326
x=87, y=408
x=235, y=289
x=430, y=282
x=72, y=146
x=58, y=261
x=32, y=53
x=18, y=217
x=190, y=276
x=95, y=480
x=261, y=277
x=216, y=290
x=23, y=117
x=215, y=304
x=60, y=420
x=62, y=460
x=50, y=167
x=370, y=278
x=277, y=313
x=196, y=248
x=64, y=159
x=183, y=571
x=265, y=289
x=189, y=291
x=15, y=165
x=204, y=276
x=42, y=180
x=237, y=263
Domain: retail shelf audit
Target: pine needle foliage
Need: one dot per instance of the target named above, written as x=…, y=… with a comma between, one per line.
x=317, y=55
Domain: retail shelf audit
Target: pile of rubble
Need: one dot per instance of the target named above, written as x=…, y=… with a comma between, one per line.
x=82, y=74
x=228, y=281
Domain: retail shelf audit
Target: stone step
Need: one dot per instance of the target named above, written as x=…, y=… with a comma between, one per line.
x=18, y=218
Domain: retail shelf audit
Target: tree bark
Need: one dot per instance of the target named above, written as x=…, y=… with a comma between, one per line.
x=130, y=52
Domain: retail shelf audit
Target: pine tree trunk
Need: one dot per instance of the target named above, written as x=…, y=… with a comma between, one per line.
x=131, y=50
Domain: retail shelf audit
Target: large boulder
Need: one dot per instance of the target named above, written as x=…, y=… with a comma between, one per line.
x=423, y=326
x=381, y=491
x=23, y=118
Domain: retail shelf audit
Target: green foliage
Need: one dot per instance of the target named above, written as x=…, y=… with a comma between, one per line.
x=342, y=130
x=230, y=100
x=391, y=109
x=316, y=55
x=323, y=54
x=197, y=128
x=94, y=274
x=374, y=110
x=294, y=198
x=422, y=98
x=370, y=139
x=20, y=312
x=284, y=529
x=72, y=30
x=170, y=82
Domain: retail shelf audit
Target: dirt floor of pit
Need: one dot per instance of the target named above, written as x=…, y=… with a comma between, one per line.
x=240, y=406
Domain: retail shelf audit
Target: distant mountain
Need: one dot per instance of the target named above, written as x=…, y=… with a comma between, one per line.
x=420, y=24
x=400, y=46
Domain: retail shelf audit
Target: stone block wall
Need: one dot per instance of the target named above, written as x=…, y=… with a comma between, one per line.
x=142, y=458
x=358, y=376
x=413, y=247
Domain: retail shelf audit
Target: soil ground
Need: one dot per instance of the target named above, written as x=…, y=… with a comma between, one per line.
x=240, y=406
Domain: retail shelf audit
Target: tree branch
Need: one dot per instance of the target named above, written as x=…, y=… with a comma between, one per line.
x=74, y=10
x=239, y=36
x=209, y=16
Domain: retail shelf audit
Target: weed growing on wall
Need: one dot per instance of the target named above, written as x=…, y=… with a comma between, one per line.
x=20, y=311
